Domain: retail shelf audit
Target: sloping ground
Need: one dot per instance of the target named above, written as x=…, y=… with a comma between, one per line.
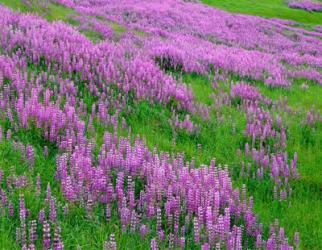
x=269, y=9
x=66, y=102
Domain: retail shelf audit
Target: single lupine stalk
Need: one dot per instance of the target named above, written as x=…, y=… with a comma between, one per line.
x=38, y=185
x=171, y=241
x=239, y=239
x=23, y=215
x=58, y=244
x=133, y=222
x=66, y=209
x=52, y=210
x=200, y=217
x=259, y=241
x=89, y=207
x=182, y=242
x=33, y=232
x=112, y=243
x=18, y=236
x=48, y=193
x=108, y=211
x=11, y=209
x=281, y=235
x=283, y=195
x=23, y=233
x=161, y=235
x=143, y=231
x=154, y=245
x=30, y=156
x=176, y=226
x=159, y=220
x=297, y=240
x=22, y=210
x=46, y=236
x=41, y=216
x=275, y=192
x=9, y=134
x=196, y=230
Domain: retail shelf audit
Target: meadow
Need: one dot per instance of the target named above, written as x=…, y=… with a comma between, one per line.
x=160, y=125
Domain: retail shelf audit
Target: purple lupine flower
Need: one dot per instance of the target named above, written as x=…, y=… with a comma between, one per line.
x=259, y=241
x=22, y=210
x=41, y=216
x=33, y=232
x=11, y=209
x=23, y=233
x=58, y=244
x=89, y=207
x=112, y=243
x=66, y=210
x=161, y=235
x=52, y=210
x=108, y=212
x=154, y=245
x=283, y=195
x=143, y=230
x=159, y=220
x=18, y=236
x=171, y=240
x=9, y=134
x=46, y=235
x=133, y=221
x=297, y=240
x=30, y=156
x=48, y=193
x=196, y=230
x=182, y=242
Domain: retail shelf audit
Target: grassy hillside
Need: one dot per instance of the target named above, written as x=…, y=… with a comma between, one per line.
x=269, y=9
x=219, y=139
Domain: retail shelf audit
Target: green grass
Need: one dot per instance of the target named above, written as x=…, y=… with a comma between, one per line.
x=57, y=12
x=296, y=97
x=14, y=4
x=303, y=210
x=268, y=9
x=77, y=229
x=218, y=140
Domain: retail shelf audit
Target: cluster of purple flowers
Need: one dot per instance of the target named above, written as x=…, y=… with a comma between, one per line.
x=313, y=118
x=186, y=124
x=305, y=5
x=88, y=24
x=102, y=65
x=181, y=35
x=268, y=145
x=177, y=196
x=172, y=188
x=245, y=92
